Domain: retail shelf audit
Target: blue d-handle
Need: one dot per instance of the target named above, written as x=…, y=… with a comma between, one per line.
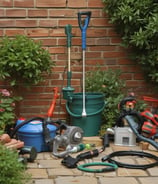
x=83, y=24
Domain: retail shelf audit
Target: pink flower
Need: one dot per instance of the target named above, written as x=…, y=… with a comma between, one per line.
x=2, y=110
x=5, y=92
x=13, y=104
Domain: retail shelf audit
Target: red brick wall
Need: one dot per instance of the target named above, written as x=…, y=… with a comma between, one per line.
x=45, y=20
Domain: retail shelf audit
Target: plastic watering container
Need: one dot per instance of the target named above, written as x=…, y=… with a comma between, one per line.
x=32, y=134
x=95, y=104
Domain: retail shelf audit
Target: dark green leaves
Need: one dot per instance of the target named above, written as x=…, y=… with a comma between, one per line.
x=137, y=23
x=23, y=60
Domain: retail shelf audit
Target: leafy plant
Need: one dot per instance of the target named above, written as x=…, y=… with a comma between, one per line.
x=137, y=23
x=109, y=83
x=23, y=61
x=7, y=107
x=12, y=171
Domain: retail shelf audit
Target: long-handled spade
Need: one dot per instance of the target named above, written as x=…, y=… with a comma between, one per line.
x=67, y=91
x=83, y=21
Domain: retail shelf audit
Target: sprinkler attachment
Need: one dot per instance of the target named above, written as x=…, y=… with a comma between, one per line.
x=68, y=137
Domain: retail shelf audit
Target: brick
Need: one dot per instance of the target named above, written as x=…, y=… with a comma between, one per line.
x=95, y=4
x=138, y=76
x=24, y=3
x=77, y=4
x=124, y=61
x=7, y=23
x=102, y=41
x=57, y=50
x=100, y=22
x=48, y=23
x=57, y=32
x=26, y=23
x=62, y=13
x=111, y=32
x=111, y=61
x=129, y=69
x=115, y=40
x=50, y=3
x=62, y=41
x=39, y=32
x=2, y=13
x=103, y=48
x=93, y=55
x=114, y=54
x=12, y=32
x=48, y=41
x=132, y=83
x=1, y=32
x=16, y=13
x=126, y=76
x=6, y=3
x=37, y=13
x=97, y=32
x=63, y=22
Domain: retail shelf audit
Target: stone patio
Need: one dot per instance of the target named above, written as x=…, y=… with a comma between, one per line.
x=48, y=169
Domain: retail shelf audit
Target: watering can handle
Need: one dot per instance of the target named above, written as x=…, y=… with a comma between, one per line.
x=84, y=25
x=68, y=29
x=80, y=115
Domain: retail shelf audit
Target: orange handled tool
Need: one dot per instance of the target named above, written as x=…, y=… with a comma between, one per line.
x=52, y=106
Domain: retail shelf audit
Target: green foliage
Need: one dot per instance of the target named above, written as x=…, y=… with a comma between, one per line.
x=7, y=108
x=109, y=83
x=137, y=23
x=12, y=171
x=23, y=61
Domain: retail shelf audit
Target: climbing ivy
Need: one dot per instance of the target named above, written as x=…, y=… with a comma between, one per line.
x=137, y=23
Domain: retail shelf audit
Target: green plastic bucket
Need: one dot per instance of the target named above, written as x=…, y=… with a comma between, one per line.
x=94, y=103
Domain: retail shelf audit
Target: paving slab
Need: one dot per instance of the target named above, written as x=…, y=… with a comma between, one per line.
x=148, y=180
x=118, y=180
x=38, y=173
x=44, y=181
x=76, y=180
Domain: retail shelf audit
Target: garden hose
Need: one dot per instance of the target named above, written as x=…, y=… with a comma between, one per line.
x=131, y=153
x=108, y=167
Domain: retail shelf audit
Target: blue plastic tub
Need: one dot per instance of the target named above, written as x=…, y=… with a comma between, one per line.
x=32, y=134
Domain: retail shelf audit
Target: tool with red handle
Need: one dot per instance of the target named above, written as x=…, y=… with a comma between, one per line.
x=53, y=103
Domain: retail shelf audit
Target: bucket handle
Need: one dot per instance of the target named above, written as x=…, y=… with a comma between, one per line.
x=80, y=116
